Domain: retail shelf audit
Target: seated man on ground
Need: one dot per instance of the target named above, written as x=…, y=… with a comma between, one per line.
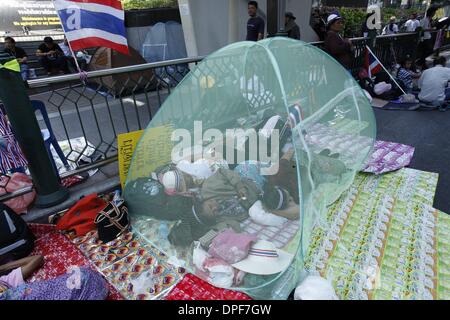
x=433, y=85
x=52, y=57
x=20, y=54
x=407, y=75
x=81, y=284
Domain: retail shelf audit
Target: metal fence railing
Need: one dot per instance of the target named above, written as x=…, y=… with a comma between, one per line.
x=87, y=117
x=390, y=49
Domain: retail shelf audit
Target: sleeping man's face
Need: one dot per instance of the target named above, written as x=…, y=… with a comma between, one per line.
x=208, y=209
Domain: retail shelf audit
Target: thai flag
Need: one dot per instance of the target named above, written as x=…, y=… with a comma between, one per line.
x=93, y=23
x=373, y=65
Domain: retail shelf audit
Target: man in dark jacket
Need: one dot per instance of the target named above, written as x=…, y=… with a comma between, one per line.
x=291, y=28
x=20, y=54
x=52, y=57
x=341, y=49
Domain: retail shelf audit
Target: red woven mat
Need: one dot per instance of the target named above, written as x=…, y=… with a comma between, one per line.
x=194, y=288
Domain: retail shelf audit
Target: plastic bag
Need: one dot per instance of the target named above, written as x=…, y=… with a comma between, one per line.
x=16, y=182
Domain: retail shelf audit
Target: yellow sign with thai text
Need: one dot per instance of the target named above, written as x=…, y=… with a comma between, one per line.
x=126, y=143
x=155, y=150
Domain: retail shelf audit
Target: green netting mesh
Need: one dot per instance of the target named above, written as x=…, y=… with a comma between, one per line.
x=252, y=145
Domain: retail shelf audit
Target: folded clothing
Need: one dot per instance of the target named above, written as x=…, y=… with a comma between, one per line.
x=382, y=87
x=230, y=246
x=220, y=273
x=215, y=270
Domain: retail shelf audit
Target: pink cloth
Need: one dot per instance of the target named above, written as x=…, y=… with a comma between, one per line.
x=13, y=279
x=230, y=246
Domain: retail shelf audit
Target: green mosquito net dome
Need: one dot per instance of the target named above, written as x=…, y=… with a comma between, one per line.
x=239, y=164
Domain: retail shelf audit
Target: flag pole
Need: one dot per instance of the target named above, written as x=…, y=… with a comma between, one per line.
x=390, y=75
x=83, y=75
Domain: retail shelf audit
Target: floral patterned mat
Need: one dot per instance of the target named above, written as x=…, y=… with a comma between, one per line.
x=137, y=270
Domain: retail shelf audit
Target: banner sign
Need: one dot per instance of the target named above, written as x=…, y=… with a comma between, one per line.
x=146, y=159
x=127, y=143
x=34, y=14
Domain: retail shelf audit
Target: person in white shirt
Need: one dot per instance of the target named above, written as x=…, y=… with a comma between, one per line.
x=426, y=46
x=412, y=24
x=433, y=84
x=425, y=23
x=81, y=56
x=391, y=28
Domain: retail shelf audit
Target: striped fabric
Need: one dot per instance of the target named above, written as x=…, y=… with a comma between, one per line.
x=295, y=114
x=406, y=77
x=93, y=23
x=11, y=157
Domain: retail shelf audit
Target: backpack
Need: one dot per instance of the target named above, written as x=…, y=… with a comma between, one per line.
x=81, y=217
x=16, y=238
x=146, y=196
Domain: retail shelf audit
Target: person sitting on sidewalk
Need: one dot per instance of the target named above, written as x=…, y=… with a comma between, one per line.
x=406, y=75
x=20, y=54
x=52, y=57
x=433, y=85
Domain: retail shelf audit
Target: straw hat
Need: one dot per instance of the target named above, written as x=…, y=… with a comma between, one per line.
x=264, y=259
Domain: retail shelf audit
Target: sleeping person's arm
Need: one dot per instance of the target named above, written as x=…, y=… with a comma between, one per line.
x=28, y=265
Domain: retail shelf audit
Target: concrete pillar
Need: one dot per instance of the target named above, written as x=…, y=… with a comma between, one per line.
x=272, y=17
x=281, y=15
x=302, y=10
x=233, y=25
x=188, y=27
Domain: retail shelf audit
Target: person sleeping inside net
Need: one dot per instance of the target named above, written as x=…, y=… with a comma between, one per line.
x=225, y=198
x=203, y=194
x=227, y=195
